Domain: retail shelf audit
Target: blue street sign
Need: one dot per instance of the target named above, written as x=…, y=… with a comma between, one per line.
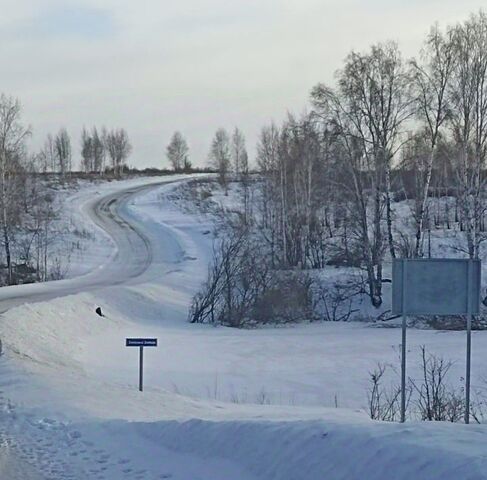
x=141, y=342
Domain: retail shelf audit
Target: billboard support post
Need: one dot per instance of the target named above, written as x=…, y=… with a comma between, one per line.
x=403, y=346
x=469, y=345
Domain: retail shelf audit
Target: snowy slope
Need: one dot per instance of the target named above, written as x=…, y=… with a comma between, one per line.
x=219, y=403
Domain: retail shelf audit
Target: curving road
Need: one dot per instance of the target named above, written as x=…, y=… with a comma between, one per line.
x=132, y=258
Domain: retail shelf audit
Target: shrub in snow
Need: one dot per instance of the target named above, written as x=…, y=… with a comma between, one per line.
x=383, y=403
x=431, y=397
x=243, y=289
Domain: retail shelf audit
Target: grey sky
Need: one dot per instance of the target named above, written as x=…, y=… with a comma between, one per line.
x=192, y=65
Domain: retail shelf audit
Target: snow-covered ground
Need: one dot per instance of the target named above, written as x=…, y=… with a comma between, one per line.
x=218, y=403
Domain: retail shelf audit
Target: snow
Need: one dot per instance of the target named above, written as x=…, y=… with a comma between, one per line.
x=218, y=403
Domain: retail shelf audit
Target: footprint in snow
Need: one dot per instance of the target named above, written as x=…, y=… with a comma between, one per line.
x=48, y=421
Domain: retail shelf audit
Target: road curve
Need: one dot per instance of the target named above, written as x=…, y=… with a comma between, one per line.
x=132, y=258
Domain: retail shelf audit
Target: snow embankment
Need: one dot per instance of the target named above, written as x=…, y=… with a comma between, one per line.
x=335, y=448
x=53, y=333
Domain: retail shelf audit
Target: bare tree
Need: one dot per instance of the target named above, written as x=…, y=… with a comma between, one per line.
x=268, y=160
x=239, y=152
x=468, y=97
x=46, y=158
x=98, y=151
x=86, y=152
x=44, y=214
x=366, y=116
x=431, y=79
x=436, y=399
x=177, y=153
x=62, y=145
x=12, y=145
x=220, y=156
x=119, y=148
x=383, y=403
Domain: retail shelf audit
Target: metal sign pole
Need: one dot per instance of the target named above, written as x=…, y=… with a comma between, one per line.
x=141, y=343
x=403, y=349
x=469, y=343
x=141, y=368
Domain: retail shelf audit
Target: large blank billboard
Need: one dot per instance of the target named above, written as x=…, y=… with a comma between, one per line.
x=436, y=286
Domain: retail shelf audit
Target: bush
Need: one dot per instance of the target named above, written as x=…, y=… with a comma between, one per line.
x=431, y=398
x=243, y=290
x=383, y=403
x=287, y=299
x=437, y=400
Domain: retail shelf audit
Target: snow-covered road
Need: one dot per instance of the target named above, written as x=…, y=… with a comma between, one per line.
x=131, y=256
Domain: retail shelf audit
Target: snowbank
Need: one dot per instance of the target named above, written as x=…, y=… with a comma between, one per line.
x=314, y=450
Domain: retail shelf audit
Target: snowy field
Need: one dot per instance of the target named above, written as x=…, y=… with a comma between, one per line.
x=276, y=404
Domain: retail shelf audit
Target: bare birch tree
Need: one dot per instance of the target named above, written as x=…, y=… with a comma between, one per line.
x=12, y=144
x=177, y=152
x=431, y=79
x=239, y=152
x=220, y=156
x=119, y=148
x=367, y=115
x=46, y=158
x=86, y=151
x=98, y=151
x=468, y=97
x=268, y=160
x=62, y=145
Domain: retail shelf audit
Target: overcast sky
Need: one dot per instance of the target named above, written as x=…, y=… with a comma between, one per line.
x=156, y=66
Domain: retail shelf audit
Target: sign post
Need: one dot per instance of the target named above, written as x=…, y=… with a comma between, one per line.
x=436, y=286
x=403, y=346
x=469, y=349
x=141, y=343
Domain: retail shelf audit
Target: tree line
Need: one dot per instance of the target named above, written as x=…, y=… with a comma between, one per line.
x=392, y=153
x=104, y=151
x=228, y=154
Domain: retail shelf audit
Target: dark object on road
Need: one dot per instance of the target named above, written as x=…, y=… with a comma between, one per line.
x=98, y=311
